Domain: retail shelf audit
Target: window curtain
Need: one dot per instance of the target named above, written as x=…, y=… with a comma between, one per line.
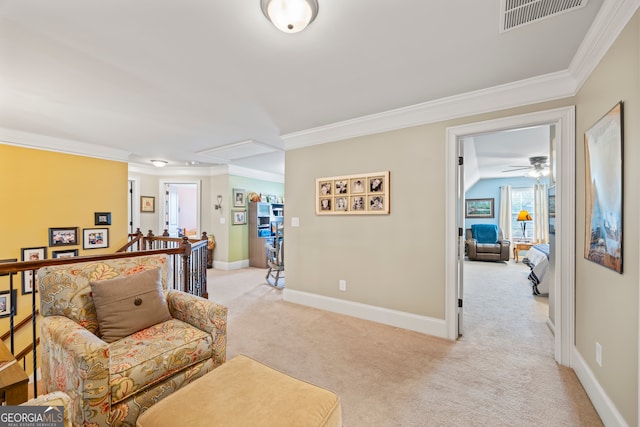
x=541, y=213
x=504, y=220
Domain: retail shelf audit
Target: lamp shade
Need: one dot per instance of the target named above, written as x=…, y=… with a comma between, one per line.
x=524, y=216
x=290, y=16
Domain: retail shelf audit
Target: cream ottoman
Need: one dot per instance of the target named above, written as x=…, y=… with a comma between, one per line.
x=242, y=393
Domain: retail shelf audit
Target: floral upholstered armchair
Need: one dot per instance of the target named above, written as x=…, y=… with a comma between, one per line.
x=111, y=379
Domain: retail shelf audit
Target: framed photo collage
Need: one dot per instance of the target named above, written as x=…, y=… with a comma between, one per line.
x=363, y=194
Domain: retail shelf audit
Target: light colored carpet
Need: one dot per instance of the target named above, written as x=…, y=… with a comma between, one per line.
x=500, y=373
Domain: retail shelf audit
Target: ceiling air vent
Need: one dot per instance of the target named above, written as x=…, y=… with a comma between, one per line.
x=516, y=13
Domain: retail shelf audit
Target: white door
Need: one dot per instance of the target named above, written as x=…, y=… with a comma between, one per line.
x=180, y=207
x=174, y=211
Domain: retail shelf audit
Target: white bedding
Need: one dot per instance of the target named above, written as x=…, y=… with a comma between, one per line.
x=538, y=260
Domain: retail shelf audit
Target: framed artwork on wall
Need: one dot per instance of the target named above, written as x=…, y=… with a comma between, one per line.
x=479, y=208
x=603, y=146
x=8, y=303
x=362, y=194
x=238, y=198
x=66, y=236
x=239, y=217
x=64, y=254
x=102, y=218
x=95, y=238
x=147, y=204
x=29, y=280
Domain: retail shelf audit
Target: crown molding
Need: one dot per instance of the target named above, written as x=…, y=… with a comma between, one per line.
x=61, y=145
x=607, y=26
x=523, y=92
x=611, y=19
x=218, y=170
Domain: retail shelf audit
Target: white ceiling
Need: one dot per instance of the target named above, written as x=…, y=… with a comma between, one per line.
x=174, y=80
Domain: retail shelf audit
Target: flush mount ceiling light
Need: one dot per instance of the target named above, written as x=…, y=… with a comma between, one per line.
x=159, y=163
x=290, y=16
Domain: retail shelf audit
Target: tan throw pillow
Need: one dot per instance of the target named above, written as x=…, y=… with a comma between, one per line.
x=125, y=305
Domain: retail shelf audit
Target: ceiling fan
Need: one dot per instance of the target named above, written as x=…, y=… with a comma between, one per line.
x=539, y=167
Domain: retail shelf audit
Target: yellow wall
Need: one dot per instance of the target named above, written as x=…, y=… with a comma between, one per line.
x=42, y=189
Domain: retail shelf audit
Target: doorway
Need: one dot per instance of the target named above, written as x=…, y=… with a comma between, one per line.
x=564, y=154
x=180, y=208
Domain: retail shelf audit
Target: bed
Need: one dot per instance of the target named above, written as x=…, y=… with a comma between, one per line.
x=538, y=260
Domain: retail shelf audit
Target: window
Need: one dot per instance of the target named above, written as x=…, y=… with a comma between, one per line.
x=521, y=199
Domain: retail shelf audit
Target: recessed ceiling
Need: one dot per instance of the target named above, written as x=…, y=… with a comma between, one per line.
x=239, y=150
x=174, y=80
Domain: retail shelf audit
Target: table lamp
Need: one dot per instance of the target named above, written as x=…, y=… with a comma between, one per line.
x=524, y=216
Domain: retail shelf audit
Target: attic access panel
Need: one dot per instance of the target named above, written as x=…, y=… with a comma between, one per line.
x=516, y=13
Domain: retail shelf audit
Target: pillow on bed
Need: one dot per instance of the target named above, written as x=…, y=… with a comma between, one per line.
x=125, y=305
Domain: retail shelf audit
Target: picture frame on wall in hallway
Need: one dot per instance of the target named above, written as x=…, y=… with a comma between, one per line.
x=29, y=280
x=8, y=302
x=479, y=208
x=239, y=217
x=147, y=204
x=603, y=147
x=362, y=194
x=238, y=198
x=65, y=236
x=95, y=238
x=102, y=218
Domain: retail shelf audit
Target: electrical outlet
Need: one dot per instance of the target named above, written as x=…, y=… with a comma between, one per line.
x=343, y=285
x=598, y=354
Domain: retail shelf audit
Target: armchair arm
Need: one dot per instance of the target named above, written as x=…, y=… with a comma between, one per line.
x=505, y=245
x=76, y=361
x=203, y=314
x=471, y=245
x=56, y=398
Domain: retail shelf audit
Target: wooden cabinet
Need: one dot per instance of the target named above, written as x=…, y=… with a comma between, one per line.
x=262, y=217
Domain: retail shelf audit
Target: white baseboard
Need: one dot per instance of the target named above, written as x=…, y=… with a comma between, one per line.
x=551, y=326
x=603, y=404
x=236, y=265
x=400, y=319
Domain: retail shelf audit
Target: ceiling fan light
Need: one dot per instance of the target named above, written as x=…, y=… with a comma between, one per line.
x=534, y=173
x=290, y=16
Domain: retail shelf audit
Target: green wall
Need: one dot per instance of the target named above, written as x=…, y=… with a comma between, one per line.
x=239, y=234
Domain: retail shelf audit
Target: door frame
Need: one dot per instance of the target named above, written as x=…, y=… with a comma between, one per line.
x=564, y=155
x=161, y=200
x=134, y=204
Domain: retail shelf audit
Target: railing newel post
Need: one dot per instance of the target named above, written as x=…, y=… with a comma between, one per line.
x=186, y=253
